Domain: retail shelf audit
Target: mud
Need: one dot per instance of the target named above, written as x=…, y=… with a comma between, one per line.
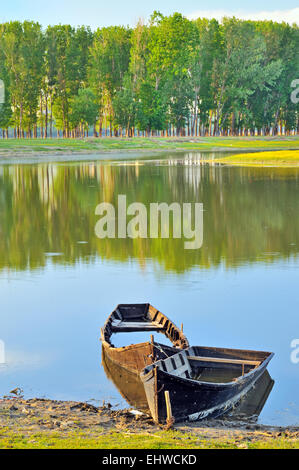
x=41, y=415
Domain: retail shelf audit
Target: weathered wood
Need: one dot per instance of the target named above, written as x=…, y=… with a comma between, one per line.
x=170, y=419
x=140, y=317
x=202, y=397
x=135, y=326
x=224, y=360
x=133, y=357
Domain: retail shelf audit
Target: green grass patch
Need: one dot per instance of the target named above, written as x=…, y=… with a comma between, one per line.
x=153, y=143
x=283, y=158
x=123, y=440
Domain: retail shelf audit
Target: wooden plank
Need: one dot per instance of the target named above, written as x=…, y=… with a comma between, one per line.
x=131, y=326
x=170, y=419
x=224, y=360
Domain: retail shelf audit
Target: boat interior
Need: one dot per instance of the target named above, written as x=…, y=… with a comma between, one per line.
x=216, y=365
x=142, y=317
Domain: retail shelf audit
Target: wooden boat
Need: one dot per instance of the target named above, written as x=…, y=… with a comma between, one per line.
x=201, y=382
x=131, y=388
x=136, y=318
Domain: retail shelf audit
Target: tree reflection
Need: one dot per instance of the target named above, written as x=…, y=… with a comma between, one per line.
x=250, y=214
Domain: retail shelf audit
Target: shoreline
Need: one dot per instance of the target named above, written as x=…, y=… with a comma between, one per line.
x=106, y=145
x=45, y=423
x=244, y=151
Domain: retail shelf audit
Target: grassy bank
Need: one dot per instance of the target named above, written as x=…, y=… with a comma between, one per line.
x=283, y=158
x=27, y=146
x=42, y=423
x=127, y=440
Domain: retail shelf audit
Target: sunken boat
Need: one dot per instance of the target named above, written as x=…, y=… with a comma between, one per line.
x=201, y=382
x=179, y=382
x=140, y=318
x=131, y=388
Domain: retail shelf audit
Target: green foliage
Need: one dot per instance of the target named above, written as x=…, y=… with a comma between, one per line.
x=5, y=107
x=151, y=110
x=125, y=105
x=67, y=59
x=109, y=62
x=22, y=50
x=214, y=77
x=84, y=109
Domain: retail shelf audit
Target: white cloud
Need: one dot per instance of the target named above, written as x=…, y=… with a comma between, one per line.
x=289, y=16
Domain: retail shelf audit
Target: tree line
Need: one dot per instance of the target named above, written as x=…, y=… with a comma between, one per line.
x=168, y=77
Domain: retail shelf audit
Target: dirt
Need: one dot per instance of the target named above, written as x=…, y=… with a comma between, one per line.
x=42, y=415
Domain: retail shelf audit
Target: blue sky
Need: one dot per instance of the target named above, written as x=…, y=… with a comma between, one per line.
x=102, y=13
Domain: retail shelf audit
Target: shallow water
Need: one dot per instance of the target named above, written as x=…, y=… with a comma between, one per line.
x=58, y=281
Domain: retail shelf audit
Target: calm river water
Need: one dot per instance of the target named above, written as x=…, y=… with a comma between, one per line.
x=58, y=281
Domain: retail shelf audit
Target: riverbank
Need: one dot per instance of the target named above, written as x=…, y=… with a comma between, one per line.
x=281, y=158
x=42, y=423
x=20, y=147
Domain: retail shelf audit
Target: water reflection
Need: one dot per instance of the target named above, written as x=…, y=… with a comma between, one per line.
x=128, y=384
x=47, y=211
x=58, y=281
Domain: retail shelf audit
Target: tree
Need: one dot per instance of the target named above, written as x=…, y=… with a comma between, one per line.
x=151, y=108
x=23, y=52
x=84, y=110
x=125, y=105
x=109, y=61
x=240, y=70
x=71, y=48
x=5, y=102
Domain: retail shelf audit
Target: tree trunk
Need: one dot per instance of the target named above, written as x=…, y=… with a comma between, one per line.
x=46, y=117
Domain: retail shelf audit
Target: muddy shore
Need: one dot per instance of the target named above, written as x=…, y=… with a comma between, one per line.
x=38, y=416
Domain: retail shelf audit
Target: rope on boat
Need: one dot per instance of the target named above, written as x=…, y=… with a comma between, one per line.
x=162, y=350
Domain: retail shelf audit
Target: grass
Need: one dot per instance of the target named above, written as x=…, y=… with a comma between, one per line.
x=154, y=143
x=123, y=440
x=283, y=158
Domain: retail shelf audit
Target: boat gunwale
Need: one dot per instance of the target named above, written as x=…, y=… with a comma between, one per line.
x=129, y=346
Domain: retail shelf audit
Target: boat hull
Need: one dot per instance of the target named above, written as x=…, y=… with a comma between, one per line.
x=192, y=399
x=132, y=390
x=132, y=358
x=135, y=357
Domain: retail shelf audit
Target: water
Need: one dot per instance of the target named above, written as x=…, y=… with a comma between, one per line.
x=58, y=281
